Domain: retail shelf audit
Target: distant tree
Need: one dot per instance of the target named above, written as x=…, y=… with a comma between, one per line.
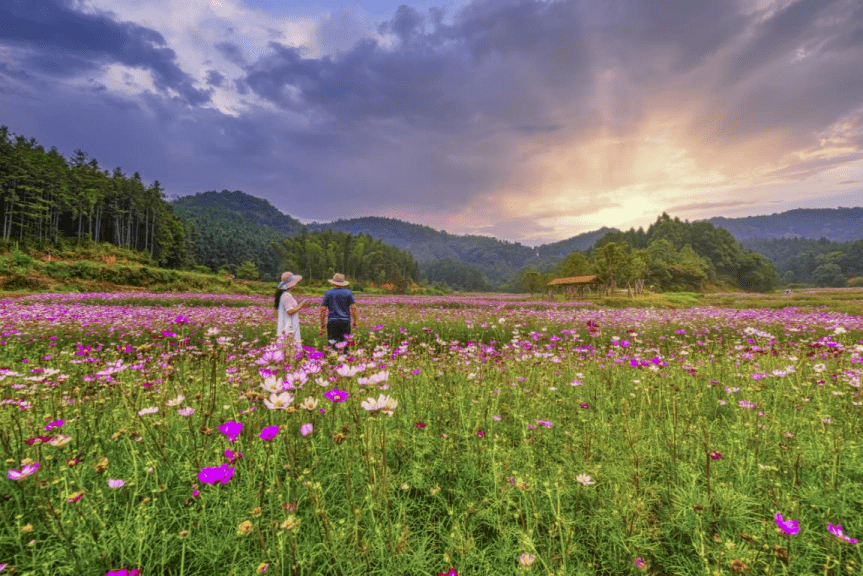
x=829, y=275
x=248, y=270
x=575, y=264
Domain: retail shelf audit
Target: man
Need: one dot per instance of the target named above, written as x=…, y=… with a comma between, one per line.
x=338, y=310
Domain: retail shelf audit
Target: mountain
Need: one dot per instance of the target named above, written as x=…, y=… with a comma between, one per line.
x=229, y=227
x=834, y=224
x=236, y=207
x=498, y=261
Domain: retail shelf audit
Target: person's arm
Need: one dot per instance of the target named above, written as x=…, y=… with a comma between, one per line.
x=323, y=318
x=355, y=316
x=299, y=307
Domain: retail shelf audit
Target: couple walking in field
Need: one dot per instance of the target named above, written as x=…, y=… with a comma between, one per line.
x=338, y=310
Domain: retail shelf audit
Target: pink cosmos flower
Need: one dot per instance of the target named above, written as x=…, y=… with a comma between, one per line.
x=790, y=527
x=526, y=559
x=124, y=572
x=23, y=472
x=231, y=429
x=306, y=429
x=450, y=572
x=54, y=424
x=837, y=531
x=639, y=563
x=116, y=483
x=269, y=432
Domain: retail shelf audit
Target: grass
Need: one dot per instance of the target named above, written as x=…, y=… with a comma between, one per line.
x=585, y=437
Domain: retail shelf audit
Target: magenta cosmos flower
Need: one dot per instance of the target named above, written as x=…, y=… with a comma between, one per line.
x=124, y=572
x=219, y=474
x=269, y=432
x=231, y=429
x=337, y=395
x=837, y=531
x=450, y=572
x=790, y=527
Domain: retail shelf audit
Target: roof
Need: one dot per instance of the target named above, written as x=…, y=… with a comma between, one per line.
x=575, y=280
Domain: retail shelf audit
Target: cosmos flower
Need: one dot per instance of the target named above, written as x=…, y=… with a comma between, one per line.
x=269, y=432
x=124, y=572
x=584, y=480
x=25, y=471
x=790, y=527
x=336, y=395
x=306, y=429
x=526, y=559
x=837, y=531
x=116, y=483
x=231, y=429
x=219, y=474
x=279, y=401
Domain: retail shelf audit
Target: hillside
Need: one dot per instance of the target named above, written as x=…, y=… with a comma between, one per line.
x=237, y=207
x=498, y=261
x=834, y=224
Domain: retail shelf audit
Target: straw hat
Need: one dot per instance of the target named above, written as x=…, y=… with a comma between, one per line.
x=338, y=280
x=289, y=280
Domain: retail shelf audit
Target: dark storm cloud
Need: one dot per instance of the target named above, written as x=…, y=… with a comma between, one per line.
x=504, y=101
x=231, y=52
x=214, y=78
x=497, y=59
x=65, y=42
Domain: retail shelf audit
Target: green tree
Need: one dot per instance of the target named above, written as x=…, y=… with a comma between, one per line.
x=248, y=270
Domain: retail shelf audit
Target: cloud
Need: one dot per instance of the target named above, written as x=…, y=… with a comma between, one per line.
x=62, y=41
x=532, y=119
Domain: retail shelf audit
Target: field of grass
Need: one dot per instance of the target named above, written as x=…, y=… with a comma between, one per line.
x=470, y=435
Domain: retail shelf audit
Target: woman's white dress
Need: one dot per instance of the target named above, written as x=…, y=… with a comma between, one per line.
x=289, y=324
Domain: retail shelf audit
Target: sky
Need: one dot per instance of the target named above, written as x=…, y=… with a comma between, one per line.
x=528, y=120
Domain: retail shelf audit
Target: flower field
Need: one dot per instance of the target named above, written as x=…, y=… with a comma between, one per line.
x=169, y=434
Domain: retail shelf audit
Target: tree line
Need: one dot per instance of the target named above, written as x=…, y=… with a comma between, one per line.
x=670, y=256
x=49, y=200
x=816, y=262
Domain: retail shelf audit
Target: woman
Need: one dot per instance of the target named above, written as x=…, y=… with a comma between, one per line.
x=288, y=327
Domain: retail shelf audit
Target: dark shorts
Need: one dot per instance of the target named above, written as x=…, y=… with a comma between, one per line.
x=336, y=331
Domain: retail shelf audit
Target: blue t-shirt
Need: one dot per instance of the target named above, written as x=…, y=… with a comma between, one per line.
x=338, y=301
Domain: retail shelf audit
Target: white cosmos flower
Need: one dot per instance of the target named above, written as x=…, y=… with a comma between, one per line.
x=309, y=403
x=584, y=479
x=272, y=384
x=279, y=401
x=176, y=401
x=384, y=403
x=60, y=440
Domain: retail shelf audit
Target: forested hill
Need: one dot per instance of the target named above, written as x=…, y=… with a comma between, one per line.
x=498, y=261
x=834, y=224
x=237, y=206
